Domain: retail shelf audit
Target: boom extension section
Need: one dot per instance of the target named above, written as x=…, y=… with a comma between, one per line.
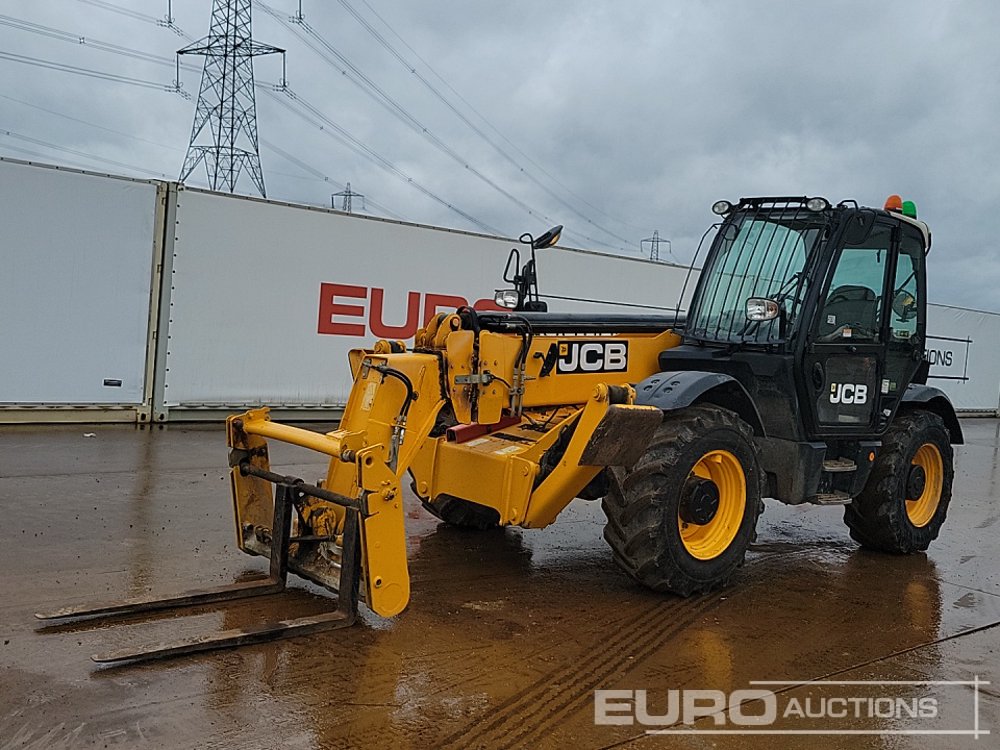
x=483, y=412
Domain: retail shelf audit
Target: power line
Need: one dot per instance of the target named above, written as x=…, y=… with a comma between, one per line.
x=148, y=57
x=485, y=119
x=476, y=129
x=64, y=160
x=654, y=245
x=52, y=65
x=333, y=130
x=317, y=176
x=167, y=22
x=341, y=64
x=48, y=157
x=348, y=69
x=320, y=176
x=62, y=35
x=325, y=124
x=76, y=39
x=80, y=40
x=87, y=122
x=39, y=142
x=122, y=11
x=348, y=195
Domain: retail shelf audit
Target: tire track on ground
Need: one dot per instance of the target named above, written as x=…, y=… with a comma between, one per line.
x=508, y=707
x=533, y=706
x=548, y=714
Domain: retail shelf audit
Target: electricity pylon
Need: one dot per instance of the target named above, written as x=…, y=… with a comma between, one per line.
x=226, y=101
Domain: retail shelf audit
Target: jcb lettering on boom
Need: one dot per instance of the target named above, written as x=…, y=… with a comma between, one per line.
x=592, y=356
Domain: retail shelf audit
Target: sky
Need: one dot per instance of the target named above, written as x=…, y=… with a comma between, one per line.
x=613, y=119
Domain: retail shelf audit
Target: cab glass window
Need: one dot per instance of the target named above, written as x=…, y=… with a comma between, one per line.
x=905, y=304
x=852, y=310
x=755, y=256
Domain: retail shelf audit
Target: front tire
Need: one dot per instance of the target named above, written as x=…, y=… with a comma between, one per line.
x=682, y=518
x=905, y=500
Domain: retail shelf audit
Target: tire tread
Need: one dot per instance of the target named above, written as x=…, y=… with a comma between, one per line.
x=635, y=504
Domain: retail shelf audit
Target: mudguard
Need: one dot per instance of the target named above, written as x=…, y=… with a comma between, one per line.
x=670, y=391
x=935, y=400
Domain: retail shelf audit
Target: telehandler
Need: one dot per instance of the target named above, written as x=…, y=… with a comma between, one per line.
x=798, y=373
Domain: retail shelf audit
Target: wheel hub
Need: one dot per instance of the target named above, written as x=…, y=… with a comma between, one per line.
x=699, y=501
x=915, y=482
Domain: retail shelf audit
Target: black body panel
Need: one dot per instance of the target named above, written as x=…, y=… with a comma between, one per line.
x=676, y=390
x=766, y=377
x=545, y=322
x=934, y=399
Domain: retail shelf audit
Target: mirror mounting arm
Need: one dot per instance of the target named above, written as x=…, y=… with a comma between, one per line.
x=525, y=278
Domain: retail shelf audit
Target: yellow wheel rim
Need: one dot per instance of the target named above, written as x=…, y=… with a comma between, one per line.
x=922, y=509
x=709, y=540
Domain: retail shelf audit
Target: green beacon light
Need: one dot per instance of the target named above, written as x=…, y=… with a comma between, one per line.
x=910, y=209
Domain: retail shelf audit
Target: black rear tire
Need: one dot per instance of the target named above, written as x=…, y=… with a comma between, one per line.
x=881, y=517
x=644, y=503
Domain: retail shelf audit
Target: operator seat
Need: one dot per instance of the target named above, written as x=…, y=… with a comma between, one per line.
x=850, y=304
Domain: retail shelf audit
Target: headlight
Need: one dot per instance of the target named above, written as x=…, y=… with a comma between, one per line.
x=817, y=204
x=722, y=207
x=506, y=298
x=759, y=308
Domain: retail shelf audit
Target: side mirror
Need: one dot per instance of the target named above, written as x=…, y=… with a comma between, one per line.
x=524, y=295
x=507, y=298
x=762, y=309
x=548, y=239
x=904, y=305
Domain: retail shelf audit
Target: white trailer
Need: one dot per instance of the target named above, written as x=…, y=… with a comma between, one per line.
x=78, y=254
x=136, y=300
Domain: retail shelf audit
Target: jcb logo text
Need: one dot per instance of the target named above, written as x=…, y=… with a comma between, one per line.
x=593, y=356
x=848, y=393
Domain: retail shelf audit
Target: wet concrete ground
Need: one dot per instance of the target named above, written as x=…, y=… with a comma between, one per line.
x=507, y=635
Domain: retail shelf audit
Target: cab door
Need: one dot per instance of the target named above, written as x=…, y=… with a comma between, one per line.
x=906, y=310
x=845, y=350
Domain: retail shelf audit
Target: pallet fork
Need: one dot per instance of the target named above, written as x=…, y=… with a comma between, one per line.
x=289, y=494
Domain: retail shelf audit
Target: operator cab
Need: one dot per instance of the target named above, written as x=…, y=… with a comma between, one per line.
x=819, y=311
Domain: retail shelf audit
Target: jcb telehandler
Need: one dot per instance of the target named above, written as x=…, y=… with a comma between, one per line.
x=798, y=374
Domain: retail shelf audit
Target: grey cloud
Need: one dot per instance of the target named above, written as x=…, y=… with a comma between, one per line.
x=647, y=110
